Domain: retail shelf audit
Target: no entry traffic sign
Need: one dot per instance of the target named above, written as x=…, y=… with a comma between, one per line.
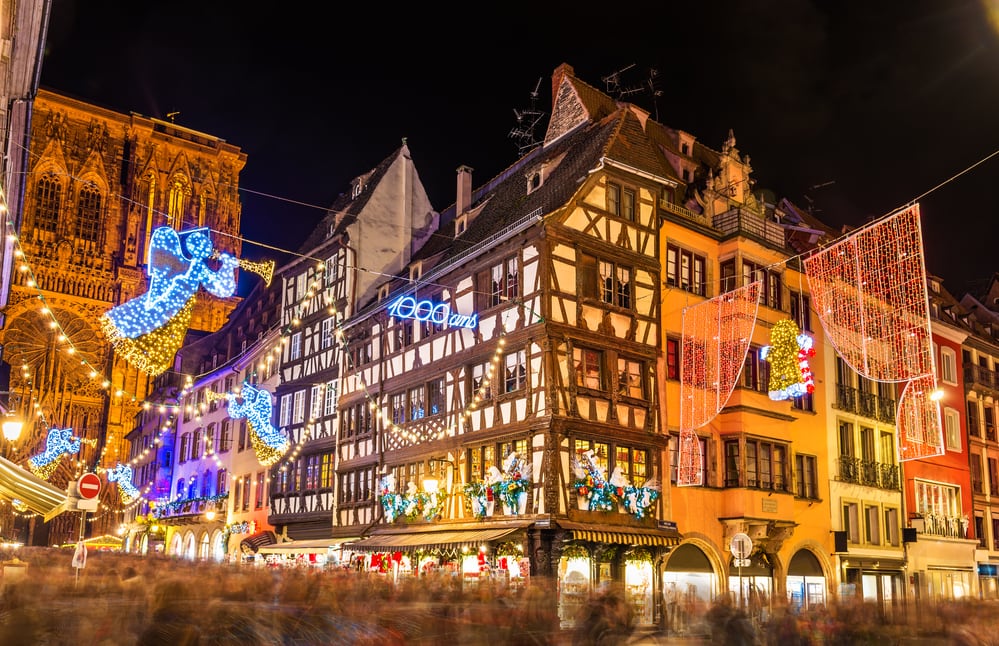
x=88, y=486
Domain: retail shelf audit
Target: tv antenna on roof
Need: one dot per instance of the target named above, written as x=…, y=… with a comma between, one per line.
x=527, y=120
x=614, y=86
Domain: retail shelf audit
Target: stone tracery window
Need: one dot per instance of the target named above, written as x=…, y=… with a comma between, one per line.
x=48, y=201
x=88, y=213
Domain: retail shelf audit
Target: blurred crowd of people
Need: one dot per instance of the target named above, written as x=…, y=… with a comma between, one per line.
x=121, y=599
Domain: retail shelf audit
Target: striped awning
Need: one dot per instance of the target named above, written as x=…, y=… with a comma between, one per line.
x=623, y=535
x=405, y=542
x=37, y=494
x=316, y=546
x=254, y=542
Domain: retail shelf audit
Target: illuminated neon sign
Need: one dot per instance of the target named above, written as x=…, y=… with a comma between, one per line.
x=407, y=307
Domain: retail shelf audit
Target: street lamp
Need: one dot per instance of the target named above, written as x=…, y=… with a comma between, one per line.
x=12, y=425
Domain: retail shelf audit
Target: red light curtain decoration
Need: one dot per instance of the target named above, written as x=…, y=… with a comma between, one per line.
x=716, y=335
x=869, y=291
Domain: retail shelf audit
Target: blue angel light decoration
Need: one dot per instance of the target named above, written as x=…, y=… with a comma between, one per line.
x=59, y=442
x=122, y=474
x=255, y=405
x=149, y=329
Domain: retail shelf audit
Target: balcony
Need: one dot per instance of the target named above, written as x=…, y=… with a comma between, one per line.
x=945, y=526
x=676, y=209
x=869, y=473
x=978, y=377
x=859, y=402
x=739, y=222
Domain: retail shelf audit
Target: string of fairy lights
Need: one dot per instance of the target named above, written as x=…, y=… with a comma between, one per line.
x=24, y=266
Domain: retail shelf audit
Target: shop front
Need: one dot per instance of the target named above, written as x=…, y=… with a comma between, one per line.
x=323, y=553
x=690, y=585
x=475, y=553
x=806, y=582
x=595, y=559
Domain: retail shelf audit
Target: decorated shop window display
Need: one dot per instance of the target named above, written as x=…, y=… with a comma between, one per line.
x=413, y=505
x=479, y=499
x=510, y=487
x=596, y=493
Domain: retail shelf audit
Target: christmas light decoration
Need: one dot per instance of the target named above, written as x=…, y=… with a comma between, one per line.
x=870, y=295
x=716, y=335
x=149, y=329
x=788, y=354
x=58, y=442
x=407, y=307
x=268, y=442
x=122, y=474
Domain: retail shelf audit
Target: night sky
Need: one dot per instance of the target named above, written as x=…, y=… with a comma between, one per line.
x=853, y=108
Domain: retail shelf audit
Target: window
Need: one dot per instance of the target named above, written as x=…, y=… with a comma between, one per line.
x=88, y=213
x=329, y=405
x=632, y=461
x=285, y=412
x=872, y=524
x=515, y=371
x=241, y=446
x=770, y=278
x=327, y=333
x=766, y=465
x=225, y=436
x=221, y=482
x=756, y=371
x=295, y=350
x=974, y=427
x=246, y=492
x=952, y=429
x=316, y=402
x=851, y=521
x=298, y=412
x=630, y=382
x=607, y=281
x=948, y=365
x=614, y=198
x=398, y=408
x=482, y=374
x=417, y=405
x=435, y=396
x=261, y=492
x=940, y=499
x=846, y=440
x=311, y=472
x=891, y=528
x=206, y=484
x=801, y=311
x=805, y=402
x=672, y=358
x=185, y=447
x=806, y=485
x=48, y=202
x=504, y=281
x=686, y=270
x=588, y=368
x=628, y=204
x=674, y=456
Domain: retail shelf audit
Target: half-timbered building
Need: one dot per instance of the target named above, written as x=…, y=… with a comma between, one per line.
x=369, y=232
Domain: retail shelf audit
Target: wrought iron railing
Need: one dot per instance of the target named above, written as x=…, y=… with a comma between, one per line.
x=869, y=473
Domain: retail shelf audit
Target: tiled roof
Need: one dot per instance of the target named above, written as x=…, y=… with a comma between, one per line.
x=346, y=208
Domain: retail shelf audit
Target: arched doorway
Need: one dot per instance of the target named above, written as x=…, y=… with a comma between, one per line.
x=750, y=582
x=690, y=584
x=806, y=582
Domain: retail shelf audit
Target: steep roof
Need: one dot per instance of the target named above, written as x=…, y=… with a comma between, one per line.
x=347, y=206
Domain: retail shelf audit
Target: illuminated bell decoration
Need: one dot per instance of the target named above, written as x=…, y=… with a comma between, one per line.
x=122, y=474
x=58, y=442
x=788, y=354
x=148, y=330
x=268, y=442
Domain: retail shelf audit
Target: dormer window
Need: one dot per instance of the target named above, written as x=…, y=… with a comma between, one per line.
x=383, y=292
x=534, y=181
x=416, y=271
x=358, y=187
x=460, y=224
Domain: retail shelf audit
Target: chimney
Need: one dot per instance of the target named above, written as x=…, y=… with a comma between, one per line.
x=464, y=190
x=560, y=73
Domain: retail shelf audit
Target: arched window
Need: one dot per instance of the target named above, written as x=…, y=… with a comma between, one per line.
x=177, y=205
x=88, y=213
x=48, y=201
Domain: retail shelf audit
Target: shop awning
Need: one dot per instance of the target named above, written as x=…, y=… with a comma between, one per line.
x=305, y=547
x=622, y=536
x=37, y=494
x=408, y=541
x=252, y=543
